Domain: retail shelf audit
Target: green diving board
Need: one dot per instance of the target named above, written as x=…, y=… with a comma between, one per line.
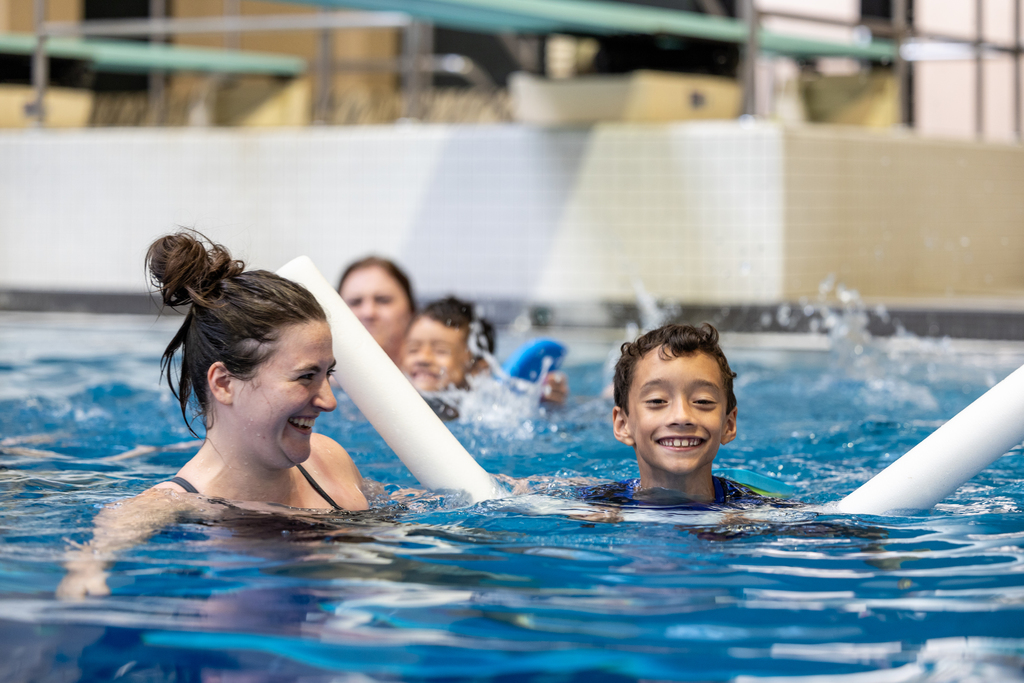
x=607, y=18
x=136, y=57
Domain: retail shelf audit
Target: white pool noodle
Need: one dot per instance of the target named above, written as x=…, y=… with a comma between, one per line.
x=387, y=399
x=975, y=438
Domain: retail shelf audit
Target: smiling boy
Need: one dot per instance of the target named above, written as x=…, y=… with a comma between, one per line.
x=674, y=404
x=445, y=346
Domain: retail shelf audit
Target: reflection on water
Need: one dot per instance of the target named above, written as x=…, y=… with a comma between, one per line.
x=532, y=587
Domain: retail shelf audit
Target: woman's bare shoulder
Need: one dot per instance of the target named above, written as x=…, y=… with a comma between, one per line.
x=168, y=486
x=335, y=470
x=325, y=444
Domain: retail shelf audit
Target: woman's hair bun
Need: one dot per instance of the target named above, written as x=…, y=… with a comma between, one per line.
x=187, y=268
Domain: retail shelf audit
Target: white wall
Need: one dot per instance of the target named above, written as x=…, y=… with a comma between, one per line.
x=708, y=212
x=489, y=211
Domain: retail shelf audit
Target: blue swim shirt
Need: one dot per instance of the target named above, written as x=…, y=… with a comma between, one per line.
x=728, y=494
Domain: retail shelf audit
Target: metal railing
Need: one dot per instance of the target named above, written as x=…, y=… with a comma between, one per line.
x=417, y=58
x=906, y=36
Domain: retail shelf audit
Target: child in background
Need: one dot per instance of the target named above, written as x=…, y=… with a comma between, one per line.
x=447, y=343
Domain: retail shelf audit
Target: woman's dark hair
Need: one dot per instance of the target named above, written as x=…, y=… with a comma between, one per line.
x=461, y=315
x=388, y=267
x=234, y=316
x=671, y=341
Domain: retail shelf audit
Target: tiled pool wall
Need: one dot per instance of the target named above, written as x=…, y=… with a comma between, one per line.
x=727, y=219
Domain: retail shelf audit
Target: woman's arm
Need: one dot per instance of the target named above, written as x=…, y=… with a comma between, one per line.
x=117, y=527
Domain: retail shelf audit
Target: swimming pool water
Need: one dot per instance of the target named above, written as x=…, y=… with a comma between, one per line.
x=530, y=587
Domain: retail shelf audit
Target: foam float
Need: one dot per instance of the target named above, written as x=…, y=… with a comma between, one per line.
x=387, y=399
x=972, y=440
x=534, y=358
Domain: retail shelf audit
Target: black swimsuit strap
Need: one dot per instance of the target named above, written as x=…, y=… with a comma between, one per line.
x=183, y=483
x=316, y=487
x=187, y=485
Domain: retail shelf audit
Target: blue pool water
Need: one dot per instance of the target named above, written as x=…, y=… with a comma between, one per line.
x=533, y=587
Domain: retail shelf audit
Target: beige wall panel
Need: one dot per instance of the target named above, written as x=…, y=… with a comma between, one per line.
x=64, y=10
x=367, y=44
x=264, y=103
x=198, y=8
x=19, y=13
x=862, y=99
x=65, y=107
x=355, y=44
x=902, y=217
x=302, y=43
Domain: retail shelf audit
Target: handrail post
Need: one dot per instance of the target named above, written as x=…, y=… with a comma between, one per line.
x=158, y=78
x=40, y=67
x=750, y=52
x=233, y=38
x=902, y=69
x=416, y=44
x=979, y=70
x=1016, y=73
x=324, y=76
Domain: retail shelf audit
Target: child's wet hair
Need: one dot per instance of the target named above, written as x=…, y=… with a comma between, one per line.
x=453, y=312
x=671, y=341
x=234, y=316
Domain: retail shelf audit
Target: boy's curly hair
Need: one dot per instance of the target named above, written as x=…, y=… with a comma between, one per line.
x=671, y=341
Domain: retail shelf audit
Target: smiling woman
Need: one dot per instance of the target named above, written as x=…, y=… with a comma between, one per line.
x=256, y=357
x=380, y=295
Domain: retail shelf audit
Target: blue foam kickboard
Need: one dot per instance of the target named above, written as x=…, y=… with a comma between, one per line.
x=527, y=361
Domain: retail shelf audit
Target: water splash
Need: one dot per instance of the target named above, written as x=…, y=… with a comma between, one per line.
x=882, y=369
x=509, y=406
x=494, y=401
x=631, y=332
x=652, y=314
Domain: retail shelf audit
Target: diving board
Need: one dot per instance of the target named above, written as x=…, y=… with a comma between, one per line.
x=135, y=57
x=607, y=18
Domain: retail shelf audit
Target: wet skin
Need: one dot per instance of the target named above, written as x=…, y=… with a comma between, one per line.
x=281, y=403
x=381, y=305
x=676, y=421
x=260, y=428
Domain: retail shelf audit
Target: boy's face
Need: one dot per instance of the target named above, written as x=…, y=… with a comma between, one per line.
x=434, y=356
x=676, y=421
